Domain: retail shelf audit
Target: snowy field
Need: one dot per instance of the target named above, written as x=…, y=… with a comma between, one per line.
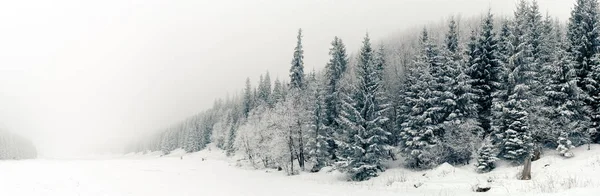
x=149, y=175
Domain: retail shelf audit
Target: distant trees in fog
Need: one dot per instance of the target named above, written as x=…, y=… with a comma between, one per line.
x=15, y=147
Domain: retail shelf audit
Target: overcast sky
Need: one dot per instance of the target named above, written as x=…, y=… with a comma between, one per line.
x=75, y=75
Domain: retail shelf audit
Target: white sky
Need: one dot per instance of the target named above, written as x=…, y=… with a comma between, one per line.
x=75, y=75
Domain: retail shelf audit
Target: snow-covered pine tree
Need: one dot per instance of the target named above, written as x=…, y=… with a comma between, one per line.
x=363, y=149
x=193, y=138
x=517, y=143
x=277, y=95
x=565, y=145
x=334, y=71
x=418, y=127
x=565, y=106
x=459, y=123
x=380, y=62
x=486, y=158
x=318, y=148
x=484, y=69
x=583, y=47
x=505, y=53
x=535, y=50
x=247, y=98
x=297, y=69
x=297, y=89
x=264, y=89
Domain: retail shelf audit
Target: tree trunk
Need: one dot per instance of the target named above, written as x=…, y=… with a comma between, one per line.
x=526, y=174
x=291, y=146
x=300, y=147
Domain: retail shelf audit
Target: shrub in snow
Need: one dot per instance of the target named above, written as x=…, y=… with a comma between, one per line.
x=459, y=142
x=565, y=146
x=481, y=187
x=517, y=146
x=486, y=159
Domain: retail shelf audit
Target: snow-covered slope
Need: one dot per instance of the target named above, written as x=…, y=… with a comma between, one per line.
x=210, y=172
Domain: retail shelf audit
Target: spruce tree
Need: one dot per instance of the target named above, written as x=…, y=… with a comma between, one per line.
x=522, y=89
x=264, y=89
x=297, y=69
x=536, y=51
x=506, y=50
x=583, y=42
x=278, y=94
x=418, y=126
x=247, y=98
x=484, y=71
x=319, y=149
x=486, y=158
x=364, y=146
x=334, y=71
x=459, y=123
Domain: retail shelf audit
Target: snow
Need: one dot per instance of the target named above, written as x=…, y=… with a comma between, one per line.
x=212, y=173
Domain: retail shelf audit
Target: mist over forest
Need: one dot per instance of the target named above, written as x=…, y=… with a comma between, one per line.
x=367, y=97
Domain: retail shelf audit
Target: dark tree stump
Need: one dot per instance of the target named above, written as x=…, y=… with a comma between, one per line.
x=483, y=189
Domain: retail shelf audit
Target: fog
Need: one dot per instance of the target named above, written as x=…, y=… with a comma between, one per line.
x=82, y=76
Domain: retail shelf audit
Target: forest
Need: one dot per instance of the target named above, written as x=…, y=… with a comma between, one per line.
x=468, y=91
x=13, y=146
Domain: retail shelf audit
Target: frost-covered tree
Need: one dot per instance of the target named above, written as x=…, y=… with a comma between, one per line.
x=517, y=143
x=569, y=117
x=484, y=69
x=297, y=69
x=459, y=122
x=248, y=99
x=419, y=125
x=486, y=159
x=363, y=146
x=583, y=47
x=565, y=145
x=334, y=71
x=264, y=89
x=317, y=144
x=506, y=51
x=278, y=92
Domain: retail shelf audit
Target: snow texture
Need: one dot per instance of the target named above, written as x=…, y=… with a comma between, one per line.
x=211, y=173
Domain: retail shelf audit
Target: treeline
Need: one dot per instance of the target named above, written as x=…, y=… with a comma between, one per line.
x=517, y=85
x=15, y=147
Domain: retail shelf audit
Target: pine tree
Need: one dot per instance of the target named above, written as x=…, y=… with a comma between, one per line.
x=486, y=159
x=248, y=98
x=319, y=149
x=278, y=94
x=379, y=59
x=484, y=71
x=264, y=89
x=506, y=51
x=583, y=47
x=565, y=145
x=297, y=69
x=536, y=53
x=419, y=125
x=565, y=107
x=334, y=71
x=459, y=122
x=297, y=90
x=364, y=147
x=193, y=138
x=522, y=84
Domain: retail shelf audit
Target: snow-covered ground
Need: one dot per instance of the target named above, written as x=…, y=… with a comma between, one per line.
x=150, y=174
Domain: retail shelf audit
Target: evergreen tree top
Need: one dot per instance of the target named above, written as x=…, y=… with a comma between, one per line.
x=451, y=40
x=366, y=51
x=297, y=69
